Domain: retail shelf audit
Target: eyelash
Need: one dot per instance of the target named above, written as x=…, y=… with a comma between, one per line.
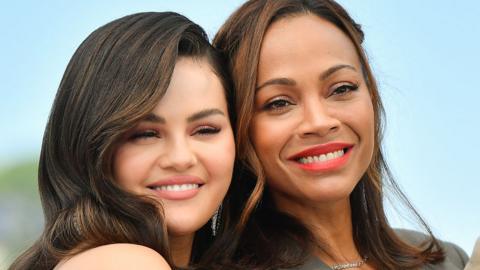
x=344, y=89
x=206, y=130
x=202, y=131
x=144, y=135
x=277, y=104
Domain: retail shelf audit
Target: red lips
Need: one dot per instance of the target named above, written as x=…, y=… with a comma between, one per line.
x=323, y=165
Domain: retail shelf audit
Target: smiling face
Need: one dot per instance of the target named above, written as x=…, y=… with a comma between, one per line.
x=182, y=153
x=313, y=127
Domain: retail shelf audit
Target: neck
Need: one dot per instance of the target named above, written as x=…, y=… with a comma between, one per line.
x=181, y=248
x=331, y=225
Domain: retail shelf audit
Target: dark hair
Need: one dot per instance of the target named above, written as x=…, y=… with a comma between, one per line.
x=115, y=78
x=271, y=239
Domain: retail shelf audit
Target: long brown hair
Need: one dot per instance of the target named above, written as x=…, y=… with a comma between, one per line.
x=272, y=239
x=114, y=79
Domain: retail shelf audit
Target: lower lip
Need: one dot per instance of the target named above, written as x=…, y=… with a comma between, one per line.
x=176, y=195
x=329, y=165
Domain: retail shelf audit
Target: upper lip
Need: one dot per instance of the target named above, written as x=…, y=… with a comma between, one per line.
x=177, y=180
x=321, y=149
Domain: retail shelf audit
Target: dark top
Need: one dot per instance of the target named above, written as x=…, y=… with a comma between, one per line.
x=455, y=257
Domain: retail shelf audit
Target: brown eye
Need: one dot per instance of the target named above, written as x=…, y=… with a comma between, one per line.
x=344, y=89
x=277, y=104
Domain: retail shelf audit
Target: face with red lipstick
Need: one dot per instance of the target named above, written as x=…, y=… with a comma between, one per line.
x=313, y=127
x=182, y=153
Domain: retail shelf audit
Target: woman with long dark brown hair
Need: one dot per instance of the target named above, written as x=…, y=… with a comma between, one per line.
x=309, y=127
x=138, y=152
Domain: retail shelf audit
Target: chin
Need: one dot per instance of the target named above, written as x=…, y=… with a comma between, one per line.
x=326, y=198
x=329, y=194
x=182, y=227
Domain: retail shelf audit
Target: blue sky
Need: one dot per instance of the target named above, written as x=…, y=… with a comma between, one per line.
x=424, y=54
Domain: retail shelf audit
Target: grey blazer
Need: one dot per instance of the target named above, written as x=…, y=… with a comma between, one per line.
x=474, y=263
x=455, y=257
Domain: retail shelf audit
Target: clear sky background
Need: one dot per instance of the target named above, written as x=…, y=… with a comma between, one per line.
x=425, y=55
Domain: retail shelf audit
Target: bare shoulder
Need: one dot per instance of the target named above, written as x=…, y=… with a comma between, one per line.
x=116, y=256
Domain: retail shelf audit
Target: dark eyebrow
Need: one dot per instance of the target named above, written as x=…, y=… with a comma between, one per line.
x=204, y=113
x=334, y=69
x=278, y=81
x=290, y=82
x=151, y=117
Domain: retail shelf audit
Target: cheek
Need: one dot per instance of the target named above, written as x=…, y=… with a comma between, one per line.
x=368, y=117
x=265, y=135
x=362, y=121
x=130, y=166
x=371, y=131
x=357, y=114
x=218, y=157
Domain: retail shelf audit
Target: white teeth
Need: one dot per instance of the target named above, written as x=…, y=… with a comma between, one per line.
x=322, y=157
x=182, y=187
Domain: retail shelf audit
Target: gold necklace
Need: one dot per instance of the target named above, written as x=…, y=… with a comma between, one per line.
x=349, y=265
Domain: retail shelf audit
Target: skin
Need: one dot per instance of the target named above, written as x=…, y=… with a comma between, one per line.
x=310, y=92
x=174, y=140
x=178, y=146
x=116, y=256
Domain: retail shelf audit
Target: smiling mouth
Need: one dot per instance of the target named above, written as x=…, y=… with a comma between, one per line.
x=176, y=192
x=176, y=188
x=322, y=157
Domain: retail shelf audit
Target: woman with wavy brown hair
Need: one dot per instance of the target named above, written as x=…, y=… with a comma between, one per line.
x=309, y=127
x=138, y=152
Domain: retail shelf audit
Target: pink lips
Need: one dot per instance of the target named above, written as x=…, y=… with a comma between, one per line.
x=180, y=180
x=327, y=165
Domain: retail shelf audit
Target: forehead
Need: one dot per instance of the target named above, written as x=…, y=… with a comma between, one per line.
x=306, y=38
x=193, y=86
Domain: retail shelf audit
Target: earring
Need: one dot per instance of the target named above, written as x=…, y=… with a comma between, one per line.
x=216, y=220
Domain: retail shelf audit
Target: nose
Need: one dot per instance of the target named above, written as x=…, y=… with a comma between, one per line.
x=178, y=155
x=317, y=120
